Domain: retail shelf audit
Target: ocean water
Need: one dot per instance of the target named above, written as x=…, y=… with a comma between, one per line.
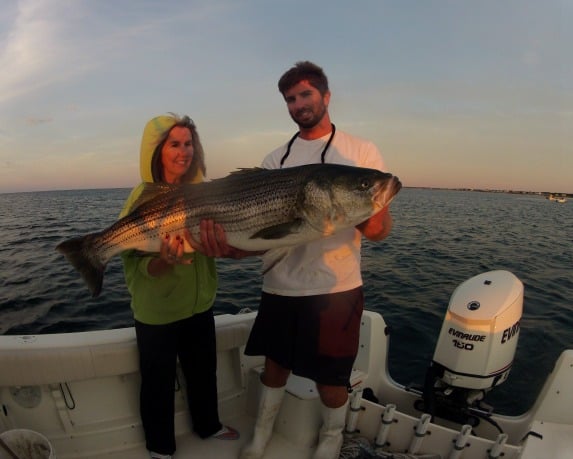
x=440, y=238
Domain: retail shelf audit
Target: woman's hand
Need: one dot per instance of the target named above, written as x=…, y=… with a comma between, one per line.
x=170, y=254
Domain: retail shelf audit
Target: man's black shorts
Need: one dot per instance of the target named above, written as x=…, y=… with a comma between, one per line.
x=314, y=336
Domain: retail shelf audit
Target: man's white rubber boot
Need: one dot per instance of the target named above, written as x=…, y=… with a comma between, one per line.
x=330, y=435
x=269, y=405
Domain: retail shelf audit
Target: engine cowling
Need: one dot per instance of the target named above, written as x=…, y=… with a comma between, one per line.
x=479, y=335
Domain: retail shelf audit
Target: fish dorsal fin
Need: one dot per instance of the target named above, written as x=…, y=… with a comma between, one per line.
x=152, y=190
x=246, y=170
x=238, y=173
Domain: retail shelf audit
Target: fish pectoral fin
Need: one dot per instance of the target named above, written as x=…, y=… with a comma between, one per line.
x=278, y=231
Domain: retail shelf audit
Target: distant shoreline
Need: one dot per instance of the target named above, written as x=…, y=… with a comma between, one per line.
x=487, y=190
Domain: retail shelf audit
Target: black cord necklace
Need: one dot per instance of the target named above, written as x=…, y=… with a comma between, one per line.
x=322, y=155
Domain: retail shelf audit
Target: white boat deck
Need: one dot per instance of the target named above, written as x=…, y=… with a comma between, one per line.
x=81, y=392
x=190, y=445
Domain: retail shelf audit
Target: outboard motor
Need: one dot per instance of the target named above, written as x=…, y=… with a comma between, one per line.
x=476, y=346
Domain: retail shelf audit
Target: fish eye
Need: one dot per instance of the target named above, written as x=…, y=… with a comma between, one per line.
x=364, y=184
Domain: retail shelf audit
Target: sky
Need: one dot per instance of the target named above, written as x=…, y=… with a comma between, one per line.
x=455, y=94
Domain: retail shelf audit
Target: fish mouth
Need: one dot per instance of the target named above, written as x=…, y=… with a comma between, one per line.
x=384, y=191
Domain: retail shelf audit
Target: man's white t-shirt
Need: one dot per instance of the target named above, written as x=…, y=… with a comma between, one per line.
x=330, y=264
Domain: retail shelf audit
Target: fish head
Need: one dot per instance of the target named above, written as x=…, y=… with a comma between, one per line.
x=339, y=196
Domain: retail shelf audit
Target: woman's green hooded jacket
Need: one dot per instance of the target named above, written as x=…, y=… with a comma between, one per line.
x=186, y=290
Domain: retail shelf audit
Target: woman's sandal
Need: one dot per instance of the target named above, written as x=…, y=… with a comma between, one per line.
x=226, y=433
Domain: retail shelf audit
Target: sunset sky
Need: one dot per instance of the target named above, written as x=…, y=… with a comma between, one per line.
x=473, y=94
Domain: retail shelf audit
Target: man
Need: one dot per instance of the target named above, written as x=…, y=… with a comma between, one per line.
x=309, y=316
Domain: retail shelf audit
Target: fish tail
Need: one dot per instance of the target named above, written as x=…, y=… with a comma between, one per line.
x=80, y=253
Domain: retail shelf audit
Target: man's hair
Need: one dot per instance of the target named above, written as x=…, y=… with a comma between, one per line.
x=304, y=70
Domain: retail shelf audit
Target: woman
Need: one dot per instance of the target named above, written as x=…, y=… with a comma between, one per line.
x=171, y=297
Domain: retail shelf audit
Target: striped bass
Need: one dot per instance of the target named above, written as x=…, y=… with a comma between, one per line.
x=259, y=209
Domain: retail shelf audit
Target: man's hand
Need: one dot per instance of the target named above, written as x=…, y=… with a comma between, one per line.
x=213, y=242
x=378, y=226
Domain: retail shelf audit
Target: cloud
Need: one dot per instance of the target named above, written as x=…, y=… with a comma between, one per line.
x=27, y=48
x=50, y=41
x=32, y=121
x=45, y=42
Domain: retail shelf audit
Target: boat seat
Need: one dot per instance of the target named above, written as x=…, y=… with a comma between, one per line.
x=232, y=336
x=52, y=359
